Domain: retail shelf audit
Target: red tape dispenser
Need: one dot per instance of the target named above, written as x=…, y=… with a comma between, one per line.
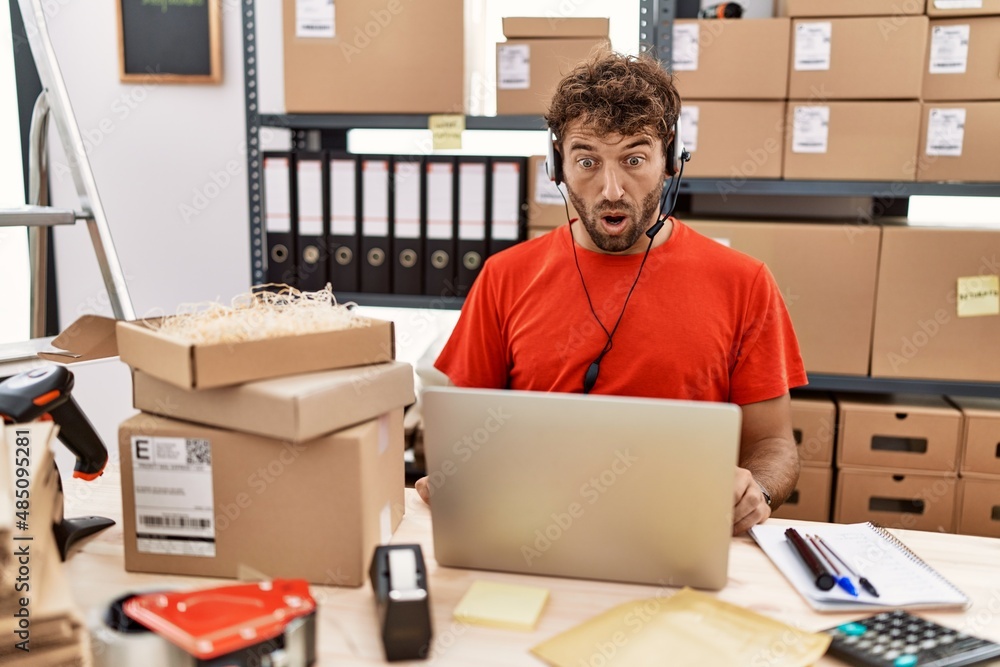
x=267, y=623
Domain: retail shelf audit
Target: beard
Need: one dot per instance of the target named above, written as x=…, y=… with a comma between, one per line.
x=639, y=219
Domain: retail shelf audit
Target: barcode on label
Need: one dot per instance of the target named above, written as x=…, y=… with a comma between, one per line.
x=198, y=451
x=174, y=521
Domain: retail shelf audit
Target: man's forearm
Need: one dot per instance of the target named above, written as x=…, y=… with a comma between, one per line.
x=775, y=465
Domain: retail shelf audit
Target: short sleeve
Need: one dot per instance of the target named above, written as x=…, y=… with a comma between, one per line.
x=475, y=354
x=768, y=361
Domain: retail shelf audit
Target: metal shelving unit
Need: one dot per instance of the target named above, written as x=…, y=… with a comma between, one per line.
x=655, y=33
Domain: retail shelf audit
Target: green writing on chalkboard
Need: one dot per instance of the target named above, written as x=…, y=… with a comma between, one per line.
x=164, y=4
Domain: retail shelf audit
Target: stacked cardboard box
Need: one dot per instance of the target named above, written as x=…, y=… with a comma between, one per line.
x=826, y=274
x=297, y=476
x=897, y=459
x=731, y=75
x=854, y=85
x=961, y=110
x=938, y=304
x=814, y=421
x=538, y=53
x=386, y=57
x=977, y=511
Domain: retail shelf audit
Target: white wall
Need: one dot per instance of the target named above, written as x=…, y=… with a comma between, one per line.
x=154, y=149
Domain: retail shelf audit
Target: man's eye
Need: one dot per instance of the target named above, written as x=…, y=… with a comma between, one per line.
x=586, y=163
x=634, y=161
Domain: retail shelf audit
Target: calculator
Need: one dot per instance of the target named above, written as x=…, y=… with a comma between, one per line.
x=899, y=639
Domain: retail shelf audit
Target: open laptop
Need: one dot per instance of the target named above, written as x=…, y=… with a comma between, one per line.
x=595, y=487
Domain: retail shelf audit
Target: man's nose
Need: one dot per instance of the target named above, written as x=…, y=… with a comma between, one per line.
x=612, y=185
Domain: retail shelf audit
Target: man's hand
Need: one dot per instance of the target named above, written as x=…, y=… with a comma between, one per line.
x=423, y=489
x=749, y=505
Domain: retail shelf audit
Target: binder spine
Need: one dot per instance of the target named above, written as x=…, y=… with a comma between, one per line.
x=375, y=257
x=278, y=217
x=407, y=253
x=473, y=202
x=439, y=222
x=343, y=173
x=310, y=207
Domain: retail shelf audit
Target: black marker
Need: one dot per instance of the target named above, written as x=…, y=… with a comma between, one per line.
x=824, y=580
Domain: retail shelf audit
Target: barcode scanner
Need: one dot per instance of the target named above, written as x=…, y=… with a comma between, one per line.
x=47, y=391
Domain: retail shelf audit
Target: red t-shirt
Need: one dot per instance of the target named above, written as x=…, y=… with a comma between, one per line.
x=705, y=322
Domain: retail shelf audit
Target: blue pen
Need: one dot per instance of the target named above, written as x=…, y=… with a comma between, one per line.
x=842, y=580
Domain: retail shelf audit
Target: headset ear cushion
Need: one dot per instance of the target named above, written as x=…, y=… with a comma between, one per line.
x=553, y=161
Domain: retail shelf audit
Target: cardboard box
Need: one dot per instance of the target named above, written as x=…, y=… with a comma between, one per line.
x=887, y=8
x=854, y=141
x=945, y=8
x=315, y=510
x=546, y=207
x=814, y=426
x=295, y=407
x=898, y=432
x=827, y=275
x=191, y=366
x=537, y=27
x=812, y=497
x=937, y=314
x=731, y=59
x=959, y=142
x=734, y=140
x=980, y=435
x=912, y=501
x=538, y=53
x=979, y=507
x=954, y=70
x=383, y=58
x=858, y=58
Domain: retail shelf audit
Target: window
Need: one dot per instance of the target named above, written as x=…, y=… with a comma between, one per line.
x=13, y=240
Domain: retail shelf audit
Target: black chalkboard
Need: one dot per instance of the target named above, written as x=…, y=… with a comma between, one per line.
x=171, y=41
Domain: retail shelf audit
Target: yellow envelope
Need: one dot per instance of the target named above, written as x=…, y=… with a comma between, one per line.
x=687, y=629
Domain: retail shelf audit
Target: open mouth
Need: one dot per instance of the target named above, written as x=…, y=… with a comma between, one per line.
x=614, y=220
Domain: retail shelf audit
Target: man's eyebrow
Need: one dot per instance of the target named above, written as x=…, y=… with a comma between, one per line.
x=580, y=146
x=639, y=142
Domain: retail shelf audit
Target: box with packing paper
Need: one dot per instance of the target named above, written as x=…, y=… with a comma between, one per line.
x=223, y=346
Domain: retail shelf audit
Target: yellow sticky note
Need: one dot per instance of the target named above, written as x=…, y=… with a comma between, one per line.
x=447, y=130
x=978, y=296
x=497, y=605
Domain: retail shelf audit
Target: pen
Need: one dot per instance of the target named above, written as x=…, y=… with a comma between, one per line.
x=824, y=580
x=865, y=584
x=842, y=581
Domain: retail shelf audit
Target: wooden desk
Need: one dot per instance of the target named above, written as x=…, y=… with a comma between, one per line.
x=347, y=625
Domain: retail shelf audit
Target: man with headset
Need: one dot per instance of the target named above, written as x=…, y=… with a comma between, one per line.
x=627, y=300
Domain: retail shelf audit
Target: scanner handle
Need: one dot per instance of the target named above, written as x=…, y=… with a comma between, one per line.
x=47, y=391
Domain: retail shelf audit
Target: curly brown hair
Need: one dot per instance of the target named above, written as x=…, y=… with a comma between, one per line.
x=615, y=93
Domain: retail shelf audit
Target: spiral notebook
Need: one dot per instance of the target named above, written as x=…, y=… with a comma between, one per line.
x=899, y=576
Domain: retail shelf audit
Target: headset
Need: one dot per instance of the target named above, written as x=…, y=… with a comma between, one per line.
x=676, y=156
